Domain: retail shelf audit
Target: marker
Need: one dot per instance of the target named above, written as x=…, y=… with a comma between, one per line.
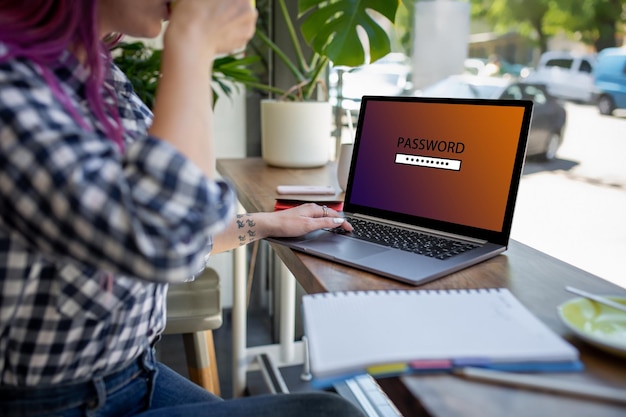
x=387, y=369
x=479, y=362
x=431, y=365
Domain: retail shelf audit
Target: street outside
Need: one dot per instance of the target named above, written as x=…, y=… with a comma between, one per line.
x=574, y=208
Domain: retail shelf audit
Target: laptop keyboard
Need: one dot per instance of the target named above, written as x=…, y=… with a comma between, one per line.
x=408, y=240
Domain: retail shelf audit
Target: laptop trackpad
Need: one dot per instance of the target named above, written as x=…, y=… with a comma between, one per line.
x=337, y=246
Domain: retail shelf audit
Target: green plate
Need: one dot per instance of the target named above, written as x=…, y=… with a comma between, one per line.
x=597, y=324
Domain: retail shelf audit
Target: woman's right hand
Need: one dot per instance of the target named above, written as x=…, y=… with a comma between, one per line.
x=213, y=26
x=198, y=32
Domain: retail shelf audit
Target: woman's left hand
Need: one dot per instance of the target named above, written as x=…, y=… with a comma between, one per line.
x=303, y=219
x=296, y=221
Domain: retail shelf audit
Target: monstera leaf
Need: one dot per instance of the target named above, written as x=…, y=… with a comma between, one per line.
x=330, y=28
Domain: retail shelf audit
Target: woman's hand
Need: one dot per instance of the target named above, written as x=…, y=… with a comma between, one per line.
x=303, y=219
x=213, y=26
x=198, y=31
x=296, y=221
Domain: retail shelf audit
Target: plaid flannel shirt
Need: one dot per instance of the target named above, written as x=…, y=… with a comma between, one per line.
x=89, y=235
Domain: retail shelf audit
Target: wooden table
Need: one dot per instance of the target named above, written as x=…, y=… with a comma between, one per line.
x=535, y=278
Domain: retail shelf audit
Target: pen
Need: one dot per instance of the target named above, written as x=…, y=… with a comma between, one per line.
x=533, y=382
x=597, y=298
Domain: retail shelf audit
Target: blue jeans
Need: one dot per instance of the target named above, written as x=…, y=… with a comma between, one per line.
x=147, y=388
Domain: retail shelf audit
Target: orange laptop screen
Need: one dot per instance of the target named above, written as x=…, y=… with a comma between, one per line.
x=449, y=162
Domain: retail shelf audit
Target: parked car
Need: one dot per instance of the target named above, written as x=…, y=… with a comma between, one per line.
x=465, y=86
x=610, y=80
x=389, y=76
x=495, y=66
x=474, y=66
x=549, y=115
x=566, y=75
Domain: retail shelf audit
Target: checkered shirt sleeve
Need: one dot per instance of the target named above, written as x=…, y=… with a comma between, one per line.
x=89, y=235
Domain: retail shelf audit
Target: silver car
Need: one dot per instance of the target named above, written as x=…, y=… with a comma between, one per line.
x=549, y=115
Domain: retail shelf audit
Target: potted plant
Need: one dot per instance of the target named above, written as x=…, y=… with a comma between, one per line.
x=296, y=123
x=142, y=65
x=328, y=29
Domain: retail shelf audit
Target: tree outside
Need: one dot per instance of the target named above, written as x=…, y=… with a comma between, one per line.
x=600, y=23
x=597, y=23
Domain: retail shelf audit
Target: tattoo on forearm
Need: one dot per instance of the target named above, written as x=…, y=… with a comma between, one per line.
x=247, y=226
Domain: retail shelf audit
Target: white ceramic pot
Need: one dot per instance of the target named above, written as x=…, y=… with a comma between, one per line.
x=296, y=134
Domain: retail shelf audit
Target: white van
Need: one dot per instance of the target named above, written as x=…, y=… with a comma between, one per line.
x=566, y=75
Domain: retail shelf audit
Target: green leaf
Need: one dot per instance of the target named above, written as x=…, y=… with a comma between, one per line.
x=330, y=28
x=142, y=65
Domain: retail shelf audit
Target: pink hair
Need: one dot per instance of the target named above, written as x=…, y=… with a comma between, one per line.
x=42, y=30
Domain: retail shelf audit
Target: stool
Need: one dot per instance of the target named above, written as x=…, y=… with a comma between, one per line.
x=194, y=308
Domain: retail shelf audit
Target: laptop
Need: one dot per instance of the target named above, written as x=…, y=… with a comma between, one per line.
x=442, y=174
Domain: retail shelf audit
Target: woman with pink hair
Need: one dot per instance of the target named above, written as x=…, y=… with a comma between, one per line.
x=104, y=202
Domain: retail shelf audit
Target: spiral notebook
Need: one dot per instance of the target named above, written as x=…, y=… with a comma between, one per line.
x=396, y=332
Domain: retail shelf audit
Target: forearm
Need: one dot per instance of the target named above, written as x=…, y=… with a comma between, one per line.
x=297, y=221
x=244, y=229
x=182, y=112
x=198, y=32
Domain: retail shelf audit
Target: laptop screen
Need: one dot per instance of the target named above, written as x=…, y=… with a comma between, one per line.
x=443, y=162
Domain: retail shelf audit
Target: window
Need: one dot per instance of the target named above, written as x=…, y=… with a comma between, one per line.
x=535, y=94
x=585, y=66
x=513, y=93
x=560, y=63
